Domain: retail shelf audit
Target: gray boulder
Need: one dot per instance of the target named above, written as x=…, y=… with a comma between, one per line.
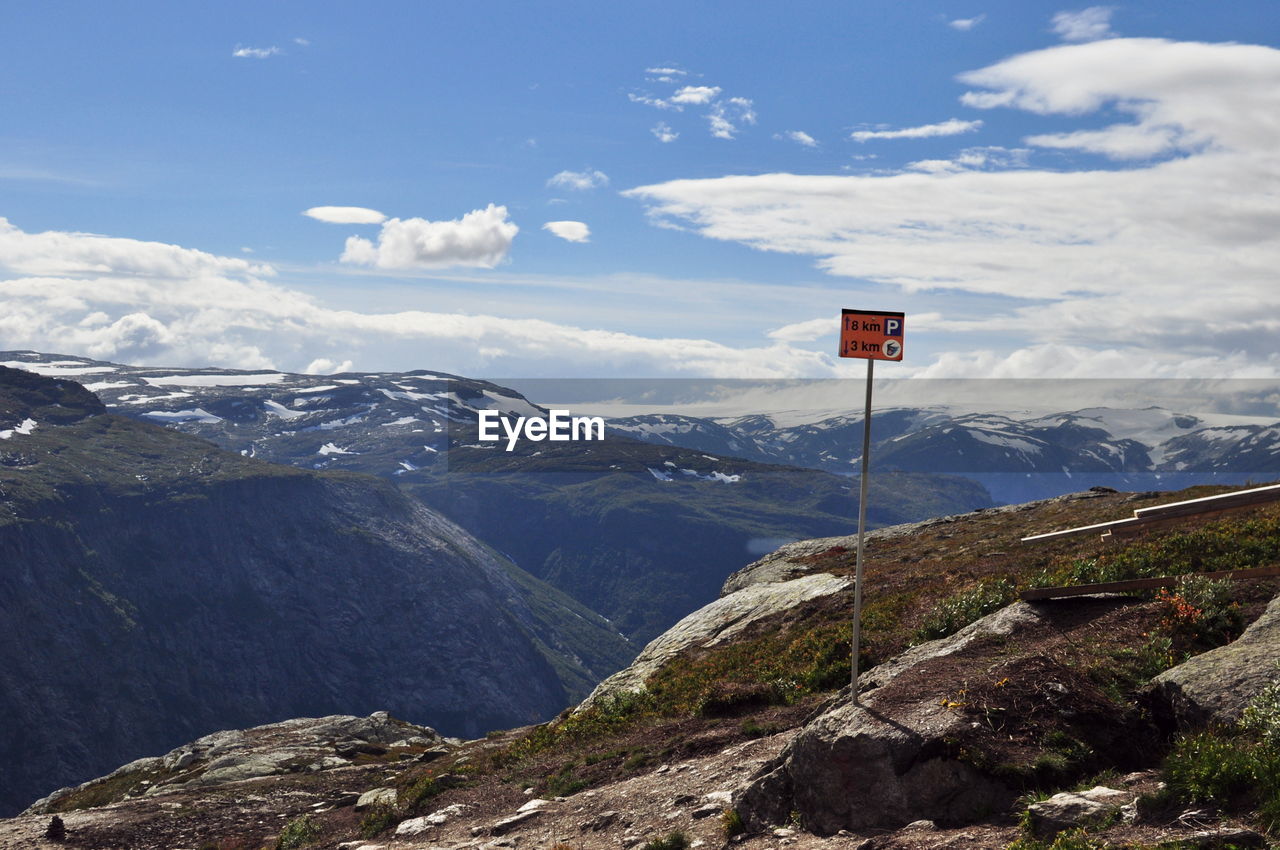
x=886, y=761
x=854, y=768
x=376, y=797
x=1071, y=809
x=1215, y=687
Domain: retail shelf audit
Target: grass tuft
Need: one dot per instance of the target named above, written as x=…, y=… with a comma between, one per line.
x=299, y=832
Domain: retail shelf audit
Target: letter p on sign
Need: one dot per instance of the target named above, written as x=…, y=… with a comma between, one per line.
x=871, y=334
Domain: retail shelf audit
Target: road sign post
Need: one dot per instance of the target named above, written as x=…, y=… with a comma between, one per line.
x=870, y=335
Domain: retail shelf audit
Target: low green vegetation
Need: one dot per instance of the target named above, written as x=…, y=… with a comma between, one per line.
x=378, y=819
x=731, y=823
x=565, y=783
x=1262, y=716
x=1228, y=544
x=955, y=612
x=110, y=789
x=1195, y=615
x=672, y=841
x=1235, y=769
x=299, y=832
x=1071, y=839
x=417, y=796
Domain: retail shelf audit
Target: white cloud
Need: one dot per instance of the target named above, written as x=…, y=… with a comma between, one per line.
x=1183, y=96
x=481, y=238
x=215, y=311
x=570, y=231
x=663, y=132
x=986, y=156
x=302, y=41
x=727, y=116
x=655, y=102
x=579, y=181
x=966, y=24
x=994, y=156
x=951, y=127
x=1088, y=24
x=934, y=166
x=1055, y=360
x=345, y=215
x=256, y=52
x=1166, y=263
x=799, y=137
x=809, y=331
x=666, y=75
x=61, y=253
x=1121, y=141
x=325, y=366
x=695, y=95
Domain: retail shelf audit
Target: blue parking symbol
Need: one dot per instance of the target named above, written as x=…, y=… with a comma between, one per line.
x=893, y=327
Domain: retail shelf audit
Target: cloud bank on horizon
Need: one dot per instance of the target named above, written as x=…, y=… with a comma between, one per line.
x=1131, y=233
x=145, y=302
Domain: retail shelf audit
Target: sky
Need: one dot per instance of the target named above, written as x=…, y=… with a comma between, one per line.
x=584, y=189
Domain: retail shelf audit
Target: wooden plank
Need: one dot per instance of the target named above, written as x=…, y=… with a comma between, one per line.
x=1139, y=583
x=1157, y=516
x=1084, y=529
x=1144, y=525
x=1222, y=501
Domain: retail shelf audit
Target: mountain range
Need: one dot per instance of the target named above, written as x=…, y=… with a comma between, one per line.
x=1017, y=456
x=641, y=533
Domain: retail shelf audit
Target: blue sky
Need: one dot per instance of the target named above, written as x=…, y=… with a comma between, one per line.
x=660, y=189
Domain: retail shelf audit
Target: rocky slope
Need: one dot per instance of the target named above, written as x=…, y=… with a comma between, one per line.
x=154, y=588
x=1031, y=721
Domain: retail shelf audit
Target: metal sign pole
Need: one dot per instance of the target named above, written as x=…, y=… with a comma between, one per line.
x=872, y=335
x=862, y=525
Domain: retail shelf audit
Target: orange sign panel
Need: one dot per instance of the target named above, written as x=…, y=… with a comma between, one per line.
x=871, y=334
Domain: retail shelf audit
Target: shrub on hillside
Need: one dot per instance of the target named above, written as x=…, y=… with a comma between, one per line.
x=1200, y=610
x=954, y=613
x=1233, y=769
x=298, y=833
x=1262, y=714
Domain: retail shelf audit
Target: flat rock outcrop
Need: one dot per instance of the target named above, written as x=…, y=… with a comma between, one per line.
x=1215, y=687
x=716, y=622
x=294, y=746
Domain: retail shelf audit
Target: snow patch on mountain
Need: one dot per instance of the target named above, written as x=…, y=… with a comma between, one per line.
x=199, y=414
x=1006, y=440
x=280, y=410
x=187, y=379
x=331, y=449
x=57, y=368
x=27, y=426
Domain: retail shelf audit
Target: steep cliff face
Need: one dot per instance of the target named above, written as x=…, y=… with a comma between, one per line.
x=154, y=588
